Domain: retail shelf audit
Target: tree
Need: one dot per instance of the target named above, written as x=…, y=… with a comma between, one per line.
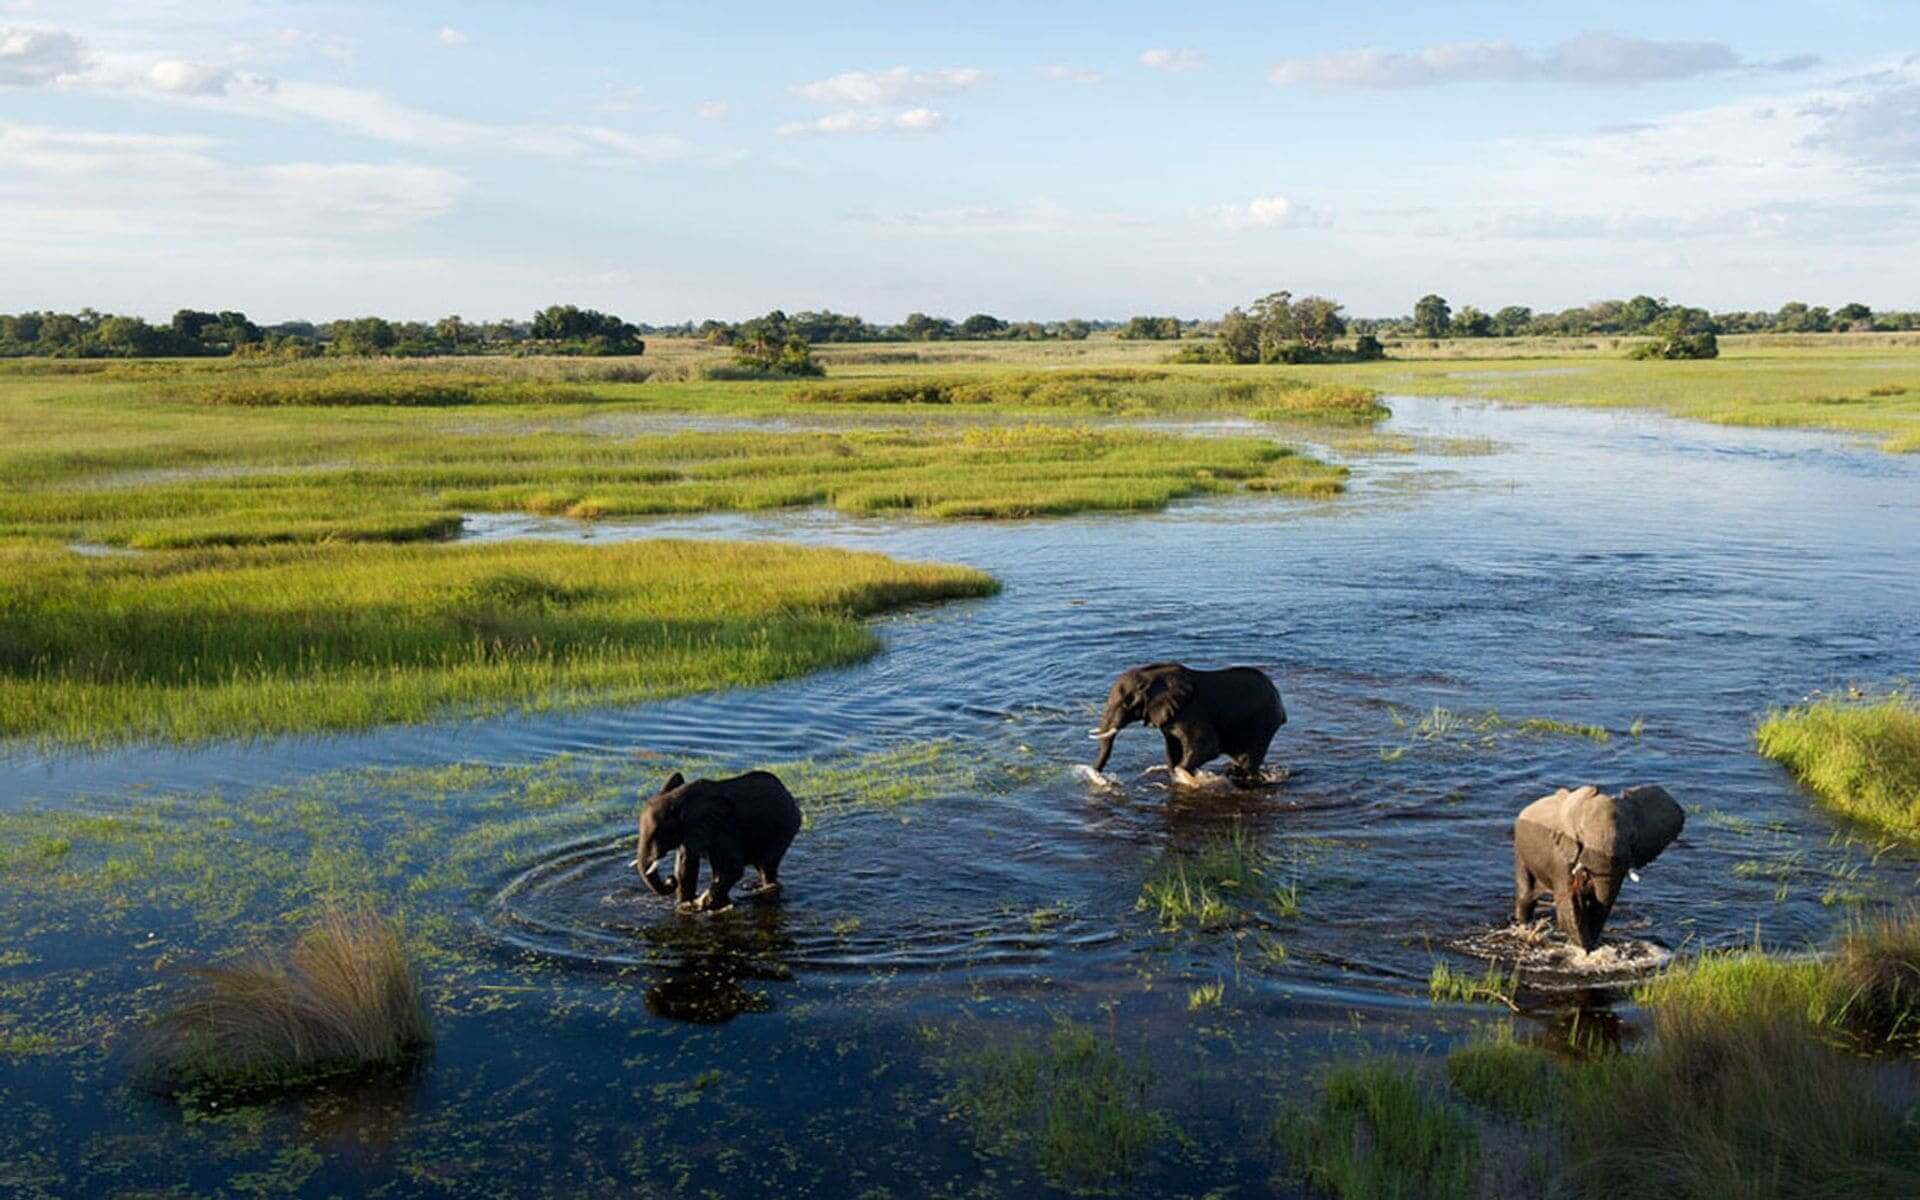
x=1432, y=316
x=1680, y=332
x=1853, y=316
x=188, y=323
x=1512, y=321
x=786, y=356
x=1471, y=322
x=1238, y=339
x=566, y=323
x=919, y=327
x=362, y=335
x=980, y=325
x=1150, y=329
x=450, y=329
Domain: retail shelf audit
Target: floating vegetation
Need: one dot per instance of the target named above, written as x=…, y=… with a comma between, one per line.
x=342, y=999
x=1493, y=985
x=1207, y=995
x=1070, y=1102
x=1484, y=730
x=1226, y=882
x=1860, y=757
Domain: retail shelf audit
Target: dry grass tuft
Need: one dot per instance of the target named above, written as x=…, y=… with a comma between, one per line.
x=342, y=999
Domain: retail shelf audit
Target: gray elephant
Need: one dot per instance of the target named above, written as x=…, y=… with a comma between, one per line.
x=746, y=821
x=1201, y=714
x=1582, y=846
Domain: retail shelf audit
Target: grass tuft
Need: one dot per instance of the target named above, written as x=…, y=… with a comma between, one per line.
x=342, y=999
x=1380, y=1131
x=1070, y=1101
x=1227, y=881
x=1499, y=1073
x=1861, y=758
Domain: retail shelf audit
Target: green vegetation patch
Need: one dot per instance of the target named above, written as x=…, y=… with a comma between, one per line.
x=1860, y=757
x=1380, y=1130
x=1071, y=1102
x=244, y=642
x=1226, y=882
x=1118, y=390
x=329, y=389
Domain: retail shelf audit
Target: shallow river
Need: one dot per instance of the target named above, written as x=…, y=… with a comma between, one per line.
x=1660, y=584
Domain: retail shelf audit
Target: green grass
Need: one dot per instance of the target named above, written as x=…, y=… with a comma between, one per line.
x=1493, y=985
x=1071, y=1102
x=1860, y=757
x=1207, y=995
x=267, y=387
x=1379, y=1131
x=1500, y=1074
x=1118, y=390
x=1865, y=385
x=219, y=643
x=1226, y=882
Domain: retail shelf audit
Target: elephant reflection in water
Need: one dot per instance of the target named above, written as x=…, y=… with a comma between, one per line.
x=709, y=972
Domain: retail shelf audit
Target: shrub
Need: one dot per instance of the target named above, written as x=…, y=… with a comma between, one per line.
x=342, y=999
x=792, y=357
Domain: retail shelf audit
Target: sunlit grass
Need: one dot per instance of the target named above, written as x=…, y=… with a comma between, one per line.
x=1226, y=881
x=214, y=643
x=1492, y=985
x=1859, y=757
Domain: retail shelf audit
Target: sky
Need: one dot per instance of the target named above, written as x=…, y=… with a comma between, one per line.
x=1035, y=161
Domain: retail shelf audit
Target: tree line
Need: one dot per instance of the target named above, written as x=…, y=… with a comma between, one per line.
x=1434, y=317
x=557, y=329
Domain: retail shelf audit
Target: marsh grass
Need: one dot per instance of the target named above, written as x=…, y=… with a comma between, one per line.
x=249, y=642
x=1070, y=1101
x=1874, y=978
x=1493, y=985
x=332, y=389
x=1227, y=881
x=342, y=999
x=1114, y=390
x=1380, y=1131
x=1207, y=995
x=1500, y=1074
x=1860, y=758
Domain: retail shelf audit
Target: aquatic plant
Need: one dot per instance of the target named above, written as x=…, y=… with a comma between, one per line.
x=1070, y=1101
x=1380, y=1130
x=1499, y=1073
x=1492, y=985
x=342, y=998
x=1207, y=995
x=1860, y=757
x=1227, y=880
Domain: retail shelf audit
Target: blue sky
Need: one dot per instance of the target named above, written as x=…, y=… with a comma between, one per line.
x=1030, y=160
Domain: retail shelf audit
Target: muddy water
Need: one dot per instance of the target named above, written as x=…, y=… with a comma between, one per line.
x=1658, y=581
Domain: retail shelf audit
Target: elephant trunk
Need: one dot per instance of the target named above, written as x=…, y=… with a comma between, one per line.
x=648, y=861
x=1112, y=720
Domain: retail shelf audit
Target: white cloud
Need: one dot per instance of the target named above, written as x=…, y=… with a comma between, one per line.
x=1060, y=73
x=449, y=36
x=1172, y=60
x=327, y=45
x=201, y=79
x=891, y=86
x=1039, y=215
x=30, y=57
x=913, y=120
x=1266, y=212
x=714, y=110
x=116, y=187
x=1594, y=58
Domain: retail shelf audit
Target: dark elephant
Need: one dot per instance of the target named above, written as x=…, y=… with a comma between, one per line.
x=1201, y=714
x=746, y=821
x=1582, y=846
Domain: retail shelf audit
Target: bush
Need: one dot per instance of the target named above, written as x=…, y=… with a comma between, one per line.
x=790, y=358
x=342, y=999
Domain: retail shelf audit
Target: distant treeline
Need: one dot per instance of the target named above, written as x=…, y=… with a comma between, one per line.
x=559, y=329
x=1433, y=317
x=567, y=329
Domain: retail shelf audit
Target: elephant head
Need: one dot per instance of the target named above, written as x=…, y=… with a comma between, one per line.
x=676, y=818
x=1604, y=840
x=1155, y=694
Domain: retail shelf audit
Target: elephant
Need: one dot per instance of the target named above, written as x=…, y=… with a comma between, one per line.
x=1201, y=714
x=1581, y=846
x=748, y=820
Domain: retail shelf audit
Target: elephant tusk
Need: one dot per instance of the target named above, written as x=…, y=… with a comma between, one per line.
x=1097, y=734
x=1633, y=875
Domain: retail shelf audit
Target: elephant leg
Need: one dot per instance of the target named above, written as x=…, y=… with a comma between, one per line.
x=1566, y=915
x=1175, y=752
x=770, y=872
x=1199, y=747
x=727, y=870
x=1255, y=755
x=1526, y=892
x=686, y=874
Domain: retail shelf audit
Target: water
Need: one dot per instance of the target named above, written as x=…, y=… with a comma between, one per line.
x=1662, y=581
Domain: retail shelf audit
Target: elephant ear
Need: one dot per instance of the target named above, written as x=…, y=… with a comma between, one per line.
x=676, y=780
x=1165, y=698
x=1652, y=820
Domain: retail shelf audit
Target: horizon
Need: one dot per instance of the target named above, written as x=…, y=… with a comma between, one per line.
x=314, y=161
